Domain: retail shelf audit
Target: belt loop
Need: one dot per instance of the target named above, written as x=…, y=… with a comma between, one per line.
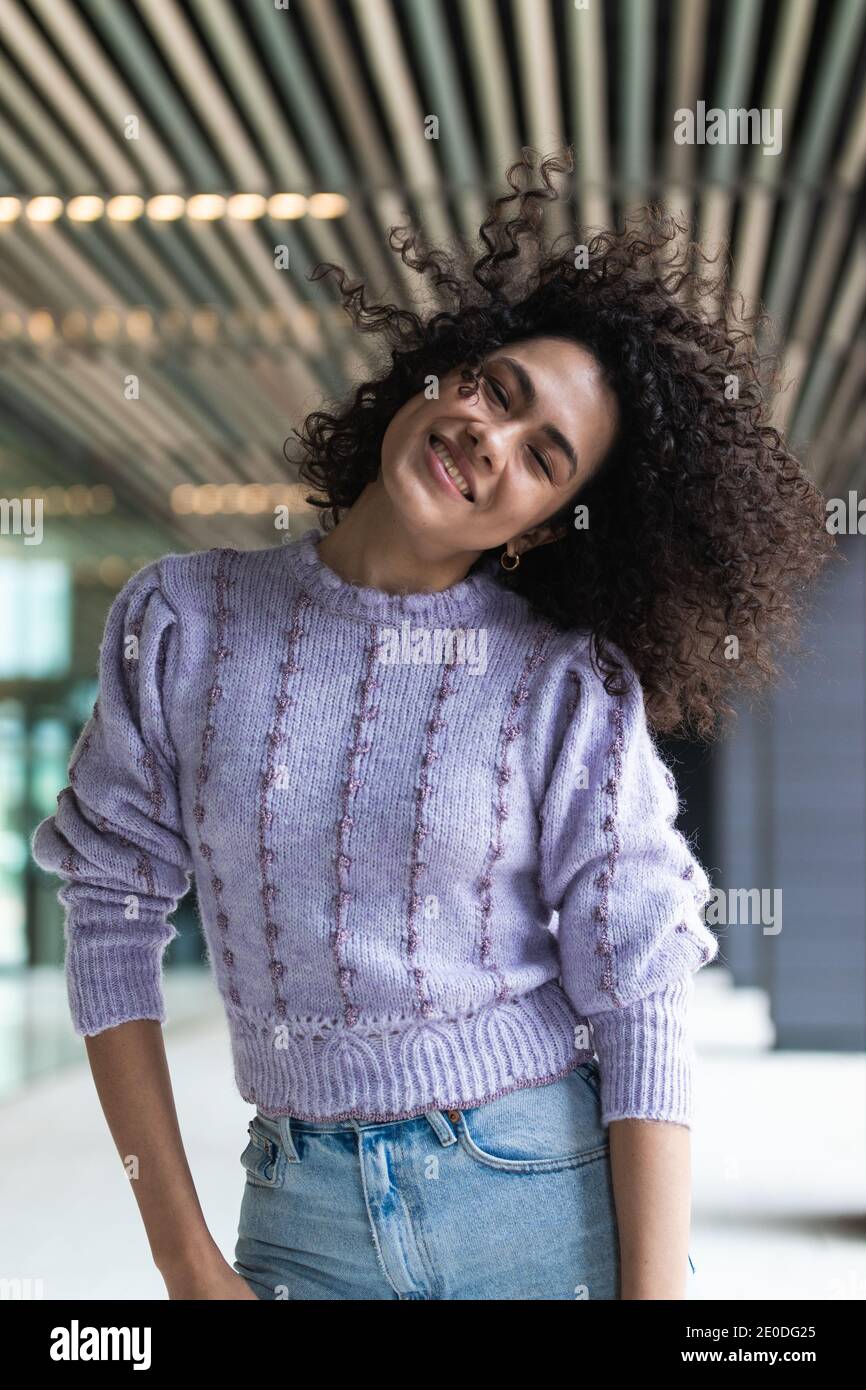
x=285, y=1124
x=441, y=1127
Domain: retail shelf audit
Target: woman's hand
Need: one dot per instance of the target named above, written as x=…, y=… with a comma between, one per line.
x=212, y=1279
x=132, y=1079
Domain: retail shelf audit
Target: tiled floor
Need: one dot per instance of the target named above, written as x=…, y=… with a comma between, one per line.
x=779, y=1151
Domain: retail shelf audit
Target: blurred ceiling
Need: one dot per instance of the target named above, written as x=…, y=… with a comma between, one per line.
x=155, y=352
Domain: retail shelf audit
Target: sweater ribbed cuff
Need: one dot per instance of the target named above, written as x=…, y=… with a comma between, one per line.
x=645, y=1057
x=112, y=984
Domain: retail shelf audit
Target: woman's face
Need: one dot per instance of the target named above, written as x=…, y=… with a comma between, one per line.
x=524, y=444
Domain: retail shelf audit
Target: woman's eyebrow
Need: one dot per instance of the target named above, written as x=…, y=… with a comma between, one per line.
x=529, y=393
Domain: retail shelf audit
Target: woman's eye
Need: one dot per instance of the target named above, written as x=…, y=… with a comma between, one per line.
x=501, y=396
x=498, y=391
x=543, y=462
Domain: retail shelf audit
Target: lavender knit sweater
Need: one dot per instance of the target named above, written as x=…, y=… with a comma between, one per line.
x=429, y=848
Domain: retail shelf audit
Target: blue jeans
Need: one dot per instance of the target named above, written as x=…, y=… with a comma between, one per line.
x=512, y=1199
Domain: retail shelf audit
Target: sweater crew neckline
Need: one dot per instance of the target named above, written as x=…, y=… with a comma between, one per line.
x=475, y=593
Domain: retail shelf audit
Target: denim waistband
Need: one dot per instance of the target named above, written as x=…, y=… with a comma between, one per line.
x=281, y=1127
x=445, y=1123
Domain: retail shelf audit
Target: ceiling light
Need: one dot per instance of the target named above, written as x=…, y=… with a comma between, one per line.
x=253, y=497
x=165, y=207
x=247, y=206
x=125, y=207
x=206, y=499
x=229, y=498
x=44, y=209
x=40, y=326
x=106, y=324
x=101, y=499
x=78, y=499
x=139, y=323
x=205, y=207
x=182, y=498
x=10, y=209
x=85, y=208
x=328, y=205
x=285, y=207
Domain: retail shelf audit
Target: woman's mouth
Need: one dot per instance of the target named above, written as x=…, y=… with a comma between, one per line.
x=445, y=469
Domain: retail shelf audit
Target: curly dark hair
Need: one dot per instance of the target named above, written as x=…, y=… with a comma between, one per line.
x=704, y=527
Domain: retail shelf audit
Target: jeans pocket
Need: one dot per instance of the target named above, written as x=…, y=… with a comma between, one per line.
x=263, y=1158
x=537, y=1128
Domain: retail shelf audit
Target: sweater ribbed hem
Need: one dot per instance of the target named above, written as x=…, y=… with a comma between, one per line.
x=645, y=1057
x=430, y=1065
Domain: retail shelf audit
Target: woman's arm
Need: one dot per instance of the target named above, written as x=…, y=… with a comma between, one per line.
x=118, y=842
x=630, y=894
x=132, y=1080
x=651, y=1170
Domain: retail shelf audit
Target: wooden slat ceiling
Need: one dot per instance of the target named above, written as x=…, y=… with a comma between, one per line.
x=316, y=97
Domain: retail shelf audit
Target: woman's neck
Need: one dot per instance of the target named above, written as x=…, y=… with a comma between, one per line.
x=371, y=546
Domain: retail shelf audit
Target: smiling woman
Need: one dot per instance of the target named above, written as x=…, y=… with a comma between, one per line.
x=507, y=440
x=434, y=891
x=598, y=374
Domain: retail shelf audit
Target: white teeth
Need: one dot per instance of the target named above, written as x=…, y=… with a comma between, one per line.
x=450, y=466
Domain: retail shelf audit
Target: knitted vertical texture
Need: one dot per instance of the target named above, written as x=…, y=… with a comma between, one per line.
x=419, y=879
x=510, y=731
x=202, y=806
x=629, y=896
x=421, y=830
x=359, y=748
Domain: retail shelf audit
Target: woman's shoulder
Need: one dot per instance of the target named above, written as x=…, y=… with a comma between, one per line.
x=203, y=579
x=577, y=656
x=582, y=679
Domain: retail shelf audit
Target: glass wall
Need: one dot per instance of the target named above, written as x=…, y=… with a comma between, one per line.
x=44, y=702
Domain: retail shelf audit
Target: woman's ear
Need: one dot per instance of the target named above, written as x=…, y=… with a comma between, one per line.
x=543, y=535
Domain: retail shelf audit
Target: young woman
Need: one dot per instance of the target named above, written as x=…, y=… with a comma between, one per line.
x=412, y=764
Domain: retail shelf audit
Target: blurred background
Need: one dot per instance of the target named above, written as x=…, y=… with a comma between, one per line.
x=170, y=173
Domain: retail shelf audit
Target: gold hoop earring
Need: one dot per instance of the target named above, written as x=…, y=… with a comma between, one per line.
x=505, y=555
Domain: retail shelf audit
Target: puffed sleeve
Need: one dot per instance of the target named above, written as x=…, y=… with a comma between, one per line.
x=116, y=838
x=629, y=893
